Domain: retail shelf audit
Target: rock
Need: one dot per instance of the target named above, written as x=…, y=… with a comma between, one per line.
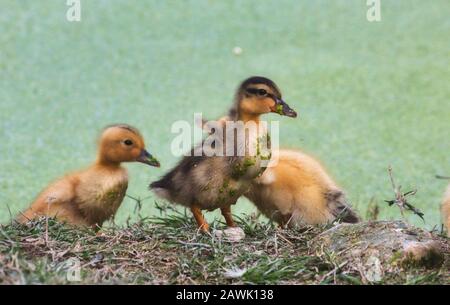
x=375, y=247
x=232, y=235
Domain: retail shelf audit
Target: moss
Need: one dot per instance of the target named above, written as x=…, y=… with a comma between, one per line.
x=266, y=157
x=258, y=147
x=111, y=194
x=266, y=140
x=226, y=183
x=396, y=258
x=279, y=109
x=153, y=160
x=240, y=169
x=225, y=190
x=249, y=162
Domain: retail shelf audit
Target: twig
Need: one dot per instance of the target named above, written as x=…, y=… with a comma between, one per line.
x=285, y=239
x=138, y=201
x=442, y=177
x=373, y=210
x=276, y=244
x=194, y=244
x=10, y=214
x=46, y=222
x=400, y=198
x=337, y=268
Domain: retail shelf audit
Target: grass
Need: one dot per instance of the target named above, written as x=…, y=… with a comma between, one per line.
x=369, y=95
x=167, y=249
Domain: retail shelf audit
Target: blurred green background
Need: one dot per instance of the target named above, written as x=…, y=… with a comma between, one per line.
x=370, y=94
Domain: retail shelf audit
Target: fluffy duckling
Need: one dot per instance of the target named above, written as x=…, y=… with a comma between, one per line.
x=208, y=182
x=92, y=196
x=445, y=209
x=298, y=190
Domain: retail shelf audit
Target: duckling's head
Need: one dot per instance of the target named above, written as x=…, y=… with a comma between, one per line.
x=258, y=95
x=123, y=143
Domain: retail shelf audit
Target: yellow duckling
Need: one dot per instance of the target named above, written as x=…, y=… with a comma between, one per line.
x=92, y=196
x=296, y=189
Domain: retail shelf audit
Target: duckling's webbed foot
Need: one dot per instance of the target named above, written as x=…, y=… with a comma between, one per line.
x=226, y=212
x=201, y=222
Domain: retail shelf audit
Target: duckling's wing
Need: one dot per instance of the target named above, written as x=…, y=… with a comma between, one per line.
x=53, y=201
x=340, y=208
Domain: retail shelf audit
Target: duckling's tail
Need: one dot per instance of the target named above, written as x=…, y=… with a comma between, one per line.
x=161, y=189
x=340, y=208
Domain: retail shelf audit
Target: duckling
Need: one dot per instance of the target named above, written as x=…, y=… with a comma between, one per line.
x=297, y=190
x=91, y=196
x=208, y=182
x=445, y=209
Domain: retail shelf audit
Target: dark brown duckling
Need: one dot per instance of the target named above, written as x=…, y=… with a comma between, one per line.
x=205, y=182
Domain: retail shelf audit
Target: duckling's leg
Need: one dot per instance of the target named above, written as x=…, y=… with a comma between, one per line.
x=201, y=222
x=226, y=212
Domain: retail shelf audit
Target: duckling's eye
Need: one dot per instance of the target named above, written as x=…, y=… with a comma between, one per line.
x=128, y=142
x=262, y=92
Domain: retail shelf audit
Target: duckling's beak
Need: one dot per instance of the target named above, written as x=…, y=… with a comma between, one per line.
x=282, y=108
x=147, y=158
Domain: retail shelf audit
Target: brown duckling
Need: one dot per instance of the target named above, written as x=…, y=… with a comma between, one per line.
x=208, y=182
x=298, y=190
x=92, y=196
x=445, y=209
